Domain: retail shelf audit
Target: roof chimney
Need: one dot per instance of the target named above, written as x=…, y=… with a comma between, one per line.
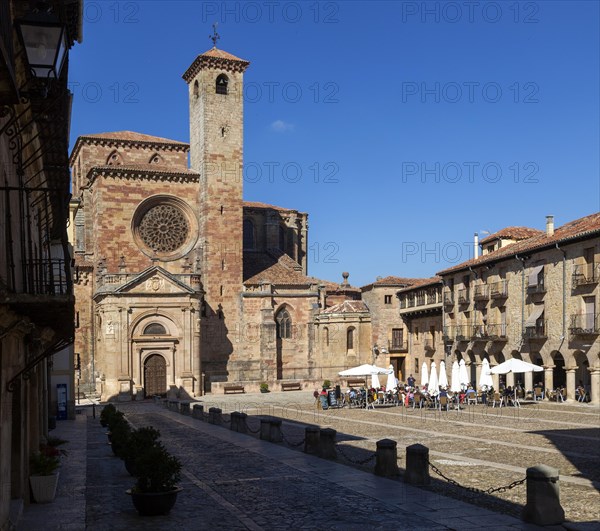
x=475, y=245
x=549, y=225
x=345, y=276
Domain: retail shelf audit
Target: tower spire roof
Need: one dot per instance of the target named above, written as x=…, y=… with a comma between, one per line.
x=216, y=59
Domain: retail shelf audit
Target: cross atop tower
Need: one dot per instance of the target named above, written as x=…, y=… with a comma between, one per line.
x=215, y=36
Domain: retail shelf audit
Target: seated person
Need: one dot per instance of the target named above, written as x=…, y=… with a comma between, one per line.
x=471, y=394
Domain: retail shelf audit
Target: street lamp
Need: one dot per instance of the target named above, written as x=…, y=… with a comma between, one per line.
x=44, y=38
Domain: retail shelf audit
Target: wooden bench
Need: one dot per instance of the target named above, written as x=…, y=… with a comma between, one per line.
x=233, y=388
x=356, y=381
x=291, y=386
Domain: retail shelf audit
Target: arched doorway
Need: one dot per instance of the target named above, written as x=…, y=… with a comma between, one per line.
x=155, y=375
x=559, y=375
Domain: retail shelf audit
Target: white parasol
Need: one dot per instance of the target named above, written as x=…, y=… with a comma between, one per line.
x=485, y=380
x=463, y=376
x=424, y=375
x=515, y=365
x=433, y=380
x=443, y=380
x=455, y=384
x=392, y=381
x=365, y=370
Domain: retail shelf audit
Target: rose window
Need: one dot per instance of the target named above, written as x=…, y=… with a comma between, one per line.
x=164, y=228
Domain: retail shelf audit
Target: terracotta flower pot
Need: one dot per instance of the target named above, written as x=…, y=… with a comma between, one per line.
x=43, y=488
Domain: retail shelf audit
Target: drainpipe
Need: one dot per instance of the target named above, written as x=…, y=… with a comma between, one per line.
x=522, y=260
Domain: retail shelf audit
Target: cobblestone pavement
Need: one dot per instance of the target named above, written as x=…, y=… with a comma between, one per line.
x=237, y=481
x=478, y=446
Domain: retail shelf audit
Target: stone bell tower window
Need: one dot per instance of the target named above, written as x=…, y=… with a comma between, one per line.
x=222, y=84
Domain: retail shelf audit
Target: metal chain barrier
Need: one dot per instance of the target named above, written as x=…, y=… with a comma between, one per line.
x=475, y=489
x=290, y=443
x=354, y=461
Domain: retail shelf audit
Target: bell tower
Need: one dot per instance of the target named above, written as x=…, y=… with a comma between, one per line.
x=215, y=81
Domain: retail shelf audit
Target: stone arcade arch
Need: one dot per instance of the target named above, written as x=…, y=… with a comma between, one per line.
x=559, y=375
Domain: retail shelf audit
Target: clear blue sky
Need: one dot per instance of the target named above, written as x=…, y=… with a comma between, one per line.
x=401, y=127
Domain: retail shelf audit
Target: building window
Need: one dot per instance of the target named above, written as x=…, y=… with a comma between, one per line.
x=416, y=333
x=284, y=324
x=155, y=329
x=248, y=234
x=350, y=339
x=397, y=338
x=326, y=336
x=221, y=84
x=387, y=299
x=416, y=366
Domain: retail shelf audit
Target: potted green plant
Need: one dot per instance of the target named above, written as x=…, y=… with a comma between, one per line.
x=157, y=473
x=43, y=476
x=139, y=441
x=119, y=439
x=264, y=387
x=107, y=412
x=326, y=384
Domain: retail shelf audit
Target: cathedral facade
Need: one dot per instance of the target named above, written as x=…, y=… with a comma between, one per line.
x=181, y=285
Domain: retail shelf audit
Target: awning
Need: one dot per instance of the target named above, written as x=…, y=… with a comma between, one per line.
x=533, y=275
x=537, y=312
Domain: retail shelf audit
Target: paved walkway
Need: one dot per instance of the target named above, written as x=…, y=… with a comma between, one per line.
x=236, y=481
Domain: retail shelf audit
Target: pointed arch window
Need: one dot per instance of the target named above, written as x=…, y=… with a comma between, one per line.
x=326, y=336
x=248, y=234
x=155, y=329
x=284, y=324
x=222, y=84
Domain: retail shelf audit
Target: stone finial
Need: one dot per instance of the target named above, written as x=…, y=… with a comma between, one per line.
x=345, y=276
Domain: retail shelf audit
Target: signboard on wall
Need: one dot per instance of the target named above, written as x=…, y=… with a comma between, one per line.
x=61, y=401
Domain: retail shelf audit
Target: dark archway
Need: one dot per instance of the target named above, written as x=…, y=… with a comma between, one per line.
x=559, y=375
x=155, y=375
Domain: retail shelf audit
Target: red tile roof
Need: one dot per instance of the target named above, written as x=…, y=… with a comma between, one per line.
x=255, y=204
x=587, y=226
x=274, y=269
x=512, y=233
x=132, y=136
x=217, y=59
x=423, y=282
x=347, y=307
x=392, y=281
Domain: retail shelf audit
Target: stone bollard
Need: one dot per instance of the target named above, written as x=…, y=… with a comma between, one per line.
x=386, y=461
x=417, y=465
x=234, y=421
x=543, y=497
x=184, y=408
x=265, y=429
x=166, y=403
x=311, y=440
x=276, y=435
x=327, y=443
x=215, y=416
x=242, y=426
x=198, y=411
x=173, y=405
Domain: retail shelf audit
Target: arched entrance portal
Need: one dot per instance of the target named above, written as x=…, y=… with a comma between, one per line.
x=155, y=375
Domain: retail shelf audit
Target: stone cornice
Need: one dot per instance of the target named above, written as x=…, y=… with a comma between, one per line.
x=119, y=142
x=125, y=172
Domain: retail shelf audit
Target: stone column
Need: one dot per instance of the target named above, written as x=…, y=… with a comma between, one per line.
x=595, y=385
x=548, y=379
x=495, y=379
x=571, y=382
x=528, y=381
x=510, y=379
x=477, y=373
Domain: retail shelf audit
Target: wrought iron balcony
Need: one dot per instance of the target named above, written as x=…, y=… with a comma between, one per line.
x=537, y=288
x=464, y=296
x=499, y=290
x=448, y=334
x=481, y=293
x=46, y=277
x=585, y=324
x=448, y=298
x=585, y=274
x=463, y=333
x=539, y=331
x=497, y=331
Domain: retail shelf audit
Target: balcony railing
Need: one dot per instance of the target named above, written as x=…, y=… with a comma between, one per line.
x=539, y=331
x=448, y=333
x=464, y=296
x=537, y=288
x=497, y=331
x=586, y=274
x=499, y=290
x=481, y=293
x=585, y=324
x=463, y=333
x=46, y=277
x=448, y=298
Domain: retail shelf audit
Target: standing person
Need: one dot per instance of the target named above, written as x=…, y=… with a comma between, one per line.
x=410, y=381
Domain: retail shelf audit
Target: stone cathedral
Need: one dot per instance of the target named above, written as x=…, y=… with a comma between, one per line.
x=181, y=286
